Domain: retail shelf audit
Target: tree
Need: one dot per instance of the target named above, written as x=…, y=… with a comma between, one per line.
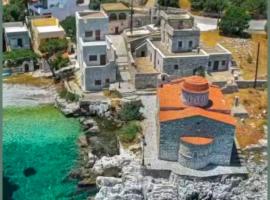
x=197, y=4
x=59, y=62
x=216, y=6
x=14, y=11
x=95, y=4
x=234, y=21
x=169, y=3
x=51, y=48
x=69, y=25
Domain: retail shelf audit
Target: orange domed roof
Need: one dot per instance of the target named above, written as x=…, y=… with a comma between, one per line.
x=196, y=84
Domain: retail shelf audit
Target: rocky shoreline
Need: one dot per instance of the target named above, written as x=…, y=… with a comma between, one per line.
x=121, y=176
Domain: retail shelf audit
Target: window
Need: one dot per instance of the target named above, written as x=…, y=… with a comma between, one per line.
x=223, y=62
x=122, y=16
x=209, y=64
x=180, y=44
x=176, y=67
x=92, y=58
x=107, y=81
x=97, y=82
x=88, y=33
x=190, y=43
x=112, y=17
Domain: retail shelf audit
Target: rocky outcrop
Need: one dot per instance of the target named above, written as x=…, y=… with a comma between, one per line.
x=69, y=109
x=134, y=185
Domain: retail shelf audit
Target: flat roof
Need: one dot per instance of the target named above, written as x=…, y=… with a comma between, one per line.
x=16, y=29
x=93, y=43
x=166, y=52
x=49, y=29
x=218, y=49
x=114, y=7
x=92, y=14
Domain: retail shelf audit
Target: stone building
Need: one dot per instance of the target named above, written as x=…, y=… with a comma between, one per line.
x=118, y=16
x=179, y=52
x=195, y=125
x=95, y=57
x=16, y=36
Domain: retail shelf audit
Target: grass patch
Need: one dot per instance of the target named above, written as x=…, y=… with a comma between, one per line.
x=255, y=102
x=112, y=93
x=244, y=51
x=129, y=131
x=27, y=79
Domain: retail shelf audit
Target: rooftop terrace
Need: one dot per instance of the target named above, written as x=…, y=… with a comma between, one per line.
x=114, y=7
x=163, y=49
x=92, y=14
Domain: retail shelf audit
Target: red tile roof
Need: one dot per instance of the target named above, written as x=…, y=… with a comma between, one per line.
x=172, y=107
x=197, y=140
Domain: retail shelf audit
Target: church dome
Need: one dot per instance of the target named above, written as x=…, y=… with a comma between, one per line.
x=195, y=91
x=196, y=84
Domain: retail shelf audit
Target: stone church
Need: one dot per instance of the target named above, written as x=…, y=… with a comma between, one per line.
x=195, y=125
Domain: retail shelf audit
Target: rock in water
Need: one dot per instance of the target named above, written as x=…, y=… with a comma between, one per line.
x=30, y=171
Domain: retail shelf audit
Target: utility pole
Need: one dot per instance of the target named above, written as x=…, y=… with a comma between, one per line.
x=131, y=17
x=257, y=65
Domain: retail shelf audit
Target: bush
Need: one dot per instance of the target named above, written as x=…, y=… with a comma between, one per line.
x=68, y=96
x=131, y=111
x=17, y=57
x=59, y=62
x=14, y=11
x=169, y=3
x=69, y=25
x=235, y=21
x=129, y=131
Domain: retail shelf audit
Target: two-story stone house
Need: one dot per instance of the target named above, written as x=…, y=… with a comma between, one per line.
x=95, y=58
x=179, y=52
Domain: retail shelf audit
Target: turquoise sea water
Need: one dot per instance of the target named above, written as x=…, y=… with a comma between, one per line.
x=42, y=139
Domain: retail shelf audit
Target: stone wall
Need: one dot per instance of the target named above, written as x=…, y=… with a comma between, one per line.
x=91, y=74
x=250, y=83
x=171, y=131
x=148, y=80
x=186, y=65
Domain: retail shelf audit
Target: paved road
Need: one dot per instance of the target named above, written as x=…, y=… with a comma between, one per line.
x=207, y=23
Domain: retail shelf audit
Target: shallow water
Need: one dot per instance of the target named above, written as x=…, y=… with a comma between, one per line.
x=41, y=142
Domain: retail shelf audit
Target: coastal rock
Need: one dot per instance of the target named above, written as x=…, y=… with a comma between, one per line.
x=99, y=108
x=68, y=109
x=86, y=182
x=106, y=164
x=107, y=181
x=82, y=141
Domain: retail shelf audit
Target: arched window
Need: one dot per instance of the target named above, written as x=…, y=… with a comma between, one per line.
x=122, y=16
x=113, y=16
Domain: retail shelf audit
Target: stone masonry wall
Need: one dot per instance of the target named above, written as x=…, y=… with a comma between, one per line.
x=171, y=131
x=148, y=80
x=186, y=65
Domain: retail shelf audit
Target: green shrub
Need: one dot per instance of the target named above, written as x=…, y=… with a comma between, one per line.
x=71, y=97
x=128, y=132
x=131, y=111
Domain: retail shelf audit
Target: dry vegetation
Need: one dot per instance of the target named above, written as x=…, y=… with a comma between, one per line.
x=185, y=4
x=244, y=51
x=255, y=102
x=27, y=79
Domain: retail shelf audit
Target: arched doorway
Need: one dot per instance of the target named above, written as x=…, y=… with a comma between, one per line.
x=26, y=67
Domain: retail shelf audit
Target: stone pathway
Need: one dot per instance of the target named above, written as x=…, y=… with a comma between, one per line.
x=151, y=149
